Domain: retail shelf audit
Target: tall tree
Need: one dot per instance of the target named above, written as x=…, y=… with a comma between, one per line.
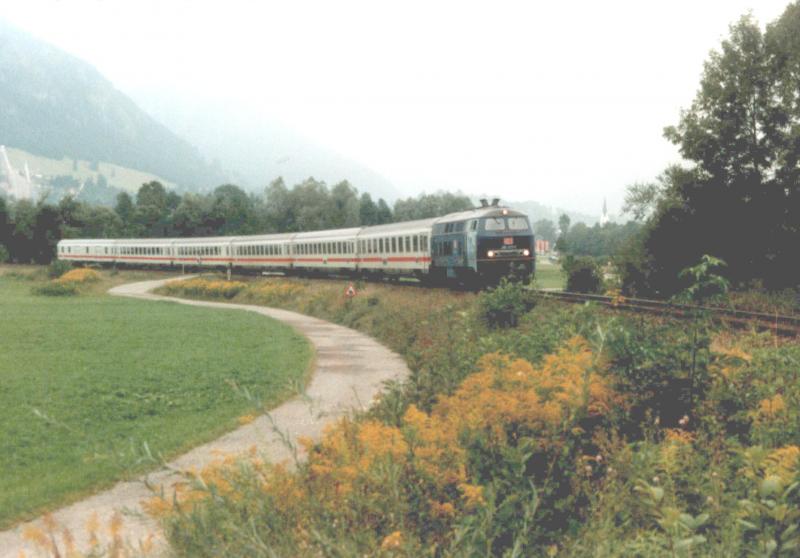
x=232, y=211
x=545, y=229
x=125, y=209
x=367, y=210
x=279, y=213
x=384, y=213
x=344, y=206
x=731, y=127
x=152, y=209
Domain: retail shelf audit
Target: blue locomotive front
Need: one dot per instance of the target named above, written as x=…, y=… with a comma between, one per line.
x=482, y=246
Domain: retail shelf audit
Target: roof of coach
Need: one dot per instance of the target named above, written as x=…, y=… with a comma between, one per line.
x=421, y=224
x=251, y=238
x=85, y=241
x=202, y=240
x=334, y=233
x=480, y=212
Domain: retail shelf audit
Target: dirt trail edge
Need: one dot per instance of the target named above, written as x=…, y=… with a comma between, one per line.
x=349, y=371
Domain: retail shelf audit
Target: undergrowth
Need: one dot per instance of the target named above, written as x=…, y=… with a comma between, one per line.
x=565, y=431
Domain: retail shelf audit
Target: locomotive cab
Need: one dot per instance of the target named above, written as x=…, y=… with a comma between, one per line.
x=505, y=247
x=482, y=246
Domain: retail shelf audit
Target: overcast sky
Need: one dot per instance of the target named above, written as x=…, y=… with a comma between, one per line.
x=560, y=102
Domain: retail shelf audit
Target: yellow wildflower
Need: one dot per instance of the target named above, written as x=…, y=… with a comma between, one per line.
x=392, y=541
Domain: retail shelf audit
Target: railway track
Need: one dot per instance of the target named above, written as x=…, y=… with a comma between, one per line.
x=781, y=325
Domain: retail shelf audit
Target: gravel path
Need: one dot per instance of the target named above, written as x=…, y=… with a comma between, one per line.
x=349, y=371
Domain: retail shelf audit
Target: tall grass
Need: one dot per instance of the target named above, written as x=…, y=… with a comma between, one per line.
x=563, y=435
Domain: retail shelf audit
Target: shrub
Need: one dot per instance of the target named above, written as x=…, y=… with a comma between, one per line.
x=504, y=305
x=56, y=288
x=207, y=288
x=4, y=255
x=79, y=276
x=583, y=275
x=368, y=486
x=57, y=268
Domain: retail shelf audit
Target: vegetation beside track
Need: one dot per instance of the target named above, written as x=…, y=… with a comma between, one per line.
x=599, y=434
x=87, y=380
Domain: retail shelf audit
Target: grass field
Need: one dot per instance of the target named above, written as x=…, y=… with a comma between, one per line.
x=549, y=275
x=85, y=381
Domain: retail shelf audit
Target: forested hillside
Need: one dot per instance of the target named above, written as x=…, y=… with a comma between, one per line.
x=53, y=104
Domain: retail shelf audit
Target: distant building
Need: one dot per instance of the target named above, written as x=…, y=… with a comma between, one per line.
x=15, y=185
x=542, y=246
x=604, y=219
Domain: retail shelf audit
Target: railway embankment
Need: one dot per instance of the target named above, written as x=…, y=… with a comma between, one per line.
x=350, y=369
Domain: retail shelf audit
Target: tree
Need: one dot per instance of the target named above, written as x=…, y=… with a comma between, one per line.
x=152, y=209
x=125, y=209
x=739, y=200
x=367, y=210
x=278, y=211
x=563, y=229
x=545, y=229
x=232, y=211
x=193, y=217
x=426, y=206
x=731, y=126
x=384, y=213
x=4, y=220
x=344, y=206
x=311, y=203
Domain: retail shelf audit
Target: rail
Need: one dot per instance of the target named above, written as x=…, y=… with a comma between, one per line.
x=788, y=326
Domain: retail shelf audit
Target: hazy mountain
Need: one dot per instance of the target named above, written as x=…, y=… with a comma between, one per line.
x=256, y=151
x=55, y=105
x=537, y=211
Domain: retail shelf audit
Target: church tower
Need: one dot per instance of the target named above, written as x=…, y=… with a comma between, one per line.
x=604, y=217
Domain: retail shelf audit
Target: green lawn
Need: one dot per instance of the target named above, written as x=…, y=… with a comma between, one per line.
x=549, y=275
x=85, y=381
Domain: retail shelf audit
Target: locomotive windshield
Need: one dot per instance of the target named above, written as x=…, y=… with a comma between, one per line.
x=506, y=223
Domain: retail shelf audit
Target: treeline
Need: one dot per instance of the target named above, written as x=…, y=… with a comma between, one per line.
x=30, y=231
x=739, y=198
x=598, y=241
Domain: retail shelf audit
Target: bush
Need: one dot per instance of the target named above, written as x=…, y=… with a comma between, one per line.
x=82, y=275
x=55, y=288
x=57, y=268
x=4, y=255
x=583, y=275
x=504, y=305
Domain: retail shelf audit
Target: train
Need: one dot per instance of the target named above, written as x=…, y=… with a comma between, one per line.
x=477, y=247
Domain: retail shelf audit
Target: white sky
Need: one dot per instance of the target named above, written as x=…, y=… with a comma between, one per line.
x=560, y=102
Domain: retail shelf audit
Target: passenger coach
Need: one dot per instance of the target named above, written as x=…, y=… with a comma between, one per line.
x=476, y=247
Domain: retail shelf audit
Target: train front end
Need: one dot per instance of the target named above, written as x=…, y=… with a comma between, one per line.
x=505, y=247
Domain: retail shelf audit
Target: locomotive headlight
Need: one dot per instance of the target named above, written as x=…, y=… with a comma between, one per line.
x=526, y=252
x=490, y=253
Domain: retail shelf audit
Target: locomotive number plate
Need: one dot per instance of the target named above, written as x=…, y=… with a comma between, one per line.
x=508, y=241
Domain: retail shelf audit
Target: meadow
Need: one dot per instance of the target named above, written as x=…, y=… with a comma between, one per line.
x=549, y=275
x=526, y=428
x=87, y=381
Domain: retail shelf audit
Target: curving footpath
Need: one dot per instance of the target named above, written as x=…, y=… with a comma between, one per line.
x=350, y=369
